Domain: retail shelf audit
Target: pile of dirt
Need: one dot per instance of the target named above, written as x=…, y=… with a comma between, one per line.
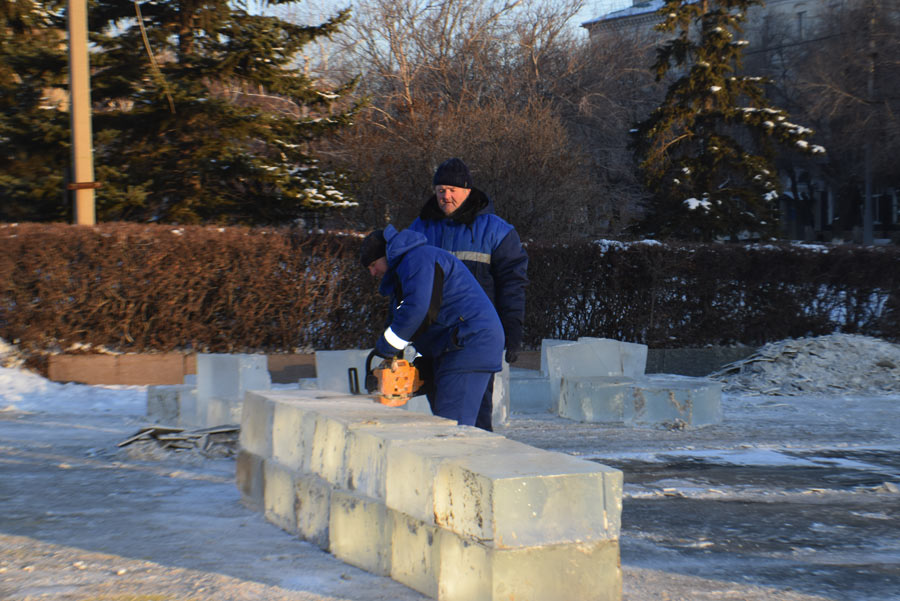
x=833, y=364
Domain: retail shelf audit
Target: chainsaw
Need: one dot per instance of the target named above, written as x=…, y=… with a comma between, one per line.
x=393, y=382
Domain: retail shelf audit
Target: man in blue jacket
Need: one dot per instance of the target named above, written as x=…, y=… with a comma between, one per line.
x=460, y=219
x=439, y=308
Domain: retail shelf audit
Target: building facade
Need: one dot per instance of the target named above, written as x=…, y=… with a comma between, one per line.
x=777, y=32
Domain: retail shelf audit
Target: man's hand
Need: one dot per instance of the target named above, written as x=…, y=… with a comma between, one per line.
x=511, y=355
x=384, y=349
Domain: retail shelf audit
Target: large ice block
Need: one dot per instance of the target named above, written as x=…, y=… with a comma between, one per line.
x=334, y=420
x=313, y=507
x=256, y=424
x=471, y=571
x=527, y=498
x=228, y=376
x=579, y=359
x=293, y=431
x=222, y=380
x=250, y=479
x=411, y=469
x=667, y=398
x=529, y=392
x=501, y=398
x=546, y=345
x=596, y=398
x=594, y=357
x=304, y=439
x=367, y=447
x=648, y=400
x=165, y=404
x=333, y=369
x=632, y=357
x=360, y=531
x=279, y=495
x=414, y=554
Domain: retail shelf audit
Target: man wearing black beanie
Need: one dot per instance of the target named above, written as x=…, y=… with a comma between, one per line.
x=373, y=248
x=460, y=219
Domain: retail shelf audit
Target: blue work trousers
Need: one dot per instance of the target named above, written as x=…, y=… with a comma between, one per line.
x=486, y=411
x=459, y=395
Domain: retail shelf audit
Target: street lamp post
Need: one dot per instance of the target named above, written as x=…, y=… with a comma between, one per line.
x=83, y=183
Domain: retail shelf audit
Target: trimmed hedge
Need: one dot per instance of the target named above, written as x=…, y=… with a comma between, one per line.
x=698, y=295
x=155, y=288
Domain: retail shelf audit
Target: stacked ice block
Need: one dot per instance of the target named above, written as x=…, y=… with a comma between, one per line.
x=603, y=380
x=215, y=396
x=451, y=511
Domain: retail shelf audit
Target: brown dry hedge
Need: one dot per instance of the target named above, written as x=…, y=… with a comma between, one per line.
x=154, y=288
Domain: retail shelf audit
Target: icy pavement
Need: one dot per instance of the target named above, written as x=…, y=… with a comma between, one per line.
x=798, y=494
x=788, y=499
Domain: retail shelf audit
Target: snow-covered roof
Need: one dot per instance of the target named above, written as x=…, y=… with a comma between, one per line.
x=641, y=8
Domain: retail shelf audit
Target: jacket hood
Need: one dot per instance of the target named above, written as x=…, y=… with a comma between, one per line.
x=476, y=204
x=399, y=243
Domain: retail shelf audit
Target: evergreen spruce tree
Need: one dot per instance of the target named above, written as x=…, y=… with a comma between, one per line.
x=201, y=113
x=207, y=116
x=34, y=122
x=707, y=152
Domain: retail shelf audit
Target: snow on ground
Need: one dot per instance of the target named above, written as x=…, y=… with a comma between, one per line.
x=833, y=364
x=25, y=391
x=795, y=490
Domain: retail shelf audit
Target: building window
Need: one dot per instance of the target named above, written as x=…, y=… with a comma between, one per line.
x=800, y=22
x=895, y=208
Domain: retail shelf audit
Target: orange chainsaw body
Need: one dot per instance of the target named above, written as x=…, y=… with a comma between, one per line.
x=397, y=382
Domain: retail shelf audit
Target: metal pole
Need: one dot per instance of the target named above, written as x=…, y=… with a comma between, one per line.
x=80, y=113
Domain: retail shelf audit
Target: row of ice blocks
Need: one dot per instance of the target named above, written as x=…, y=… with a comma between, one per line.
x=603, y=380
x=214, y=396
x=454, y=512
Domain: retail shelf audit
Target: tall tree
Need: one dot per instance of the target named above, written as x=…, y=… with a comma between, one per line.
x=34, y=126
x=201, y=112
x=208, y=115
x=495, y=82
x=707, y=152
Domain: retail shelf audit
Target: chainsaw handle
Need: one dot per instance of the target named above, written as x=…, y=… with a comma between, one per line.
x=371, y=382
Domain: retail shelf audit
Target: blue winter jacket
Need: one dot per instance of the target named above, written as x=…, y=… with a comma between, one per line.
x=490, y=248
x=437, y=305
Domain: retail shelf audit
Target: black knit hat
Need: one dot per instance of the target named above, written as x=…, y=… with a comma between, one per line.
x=373, y=248
x=453, y=172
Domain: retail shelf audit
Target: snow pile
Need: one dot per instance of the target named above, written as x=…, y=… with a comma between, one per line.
x=22, y=390
x=834, y=364
x=9, y=355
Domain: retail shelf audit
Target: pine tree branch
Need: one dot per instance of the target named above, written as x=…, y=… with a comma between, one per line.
x=153, y=64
